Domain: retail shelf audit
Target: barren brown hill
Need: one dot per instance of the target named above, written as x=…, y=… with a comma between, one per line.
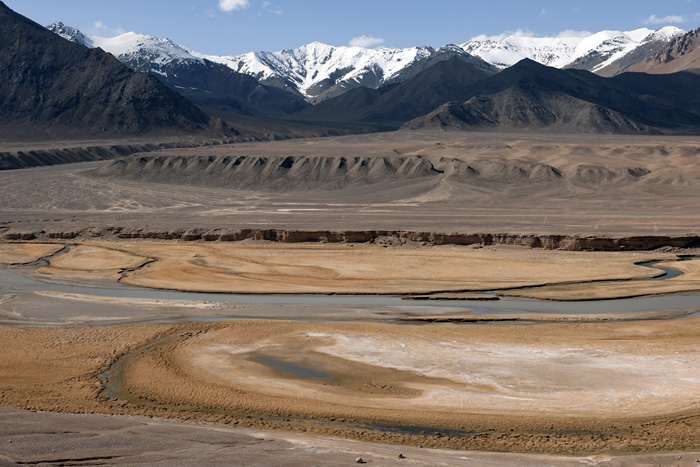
x=683, y=53
x=508, y=185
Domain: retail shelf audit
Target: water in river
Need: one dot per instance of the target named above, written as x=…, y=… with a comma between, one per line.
x=11, y=282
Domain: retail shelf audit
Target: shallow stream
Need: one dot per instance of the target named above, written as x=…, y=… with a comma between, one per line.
x=14, y=282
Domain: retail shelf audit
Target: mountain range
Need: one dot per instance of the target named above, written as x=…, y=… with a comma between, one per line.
x=317, y=71
x=200, y=80
x=59, y=82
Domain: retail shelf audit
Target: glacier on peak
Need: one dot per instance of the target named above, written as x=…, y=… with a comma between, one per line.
x=315, y=68
x=128, y=46
x=564, y=50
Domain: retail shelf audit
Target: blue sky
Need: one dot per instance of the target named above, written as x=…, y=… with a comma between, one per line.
x=226, y=27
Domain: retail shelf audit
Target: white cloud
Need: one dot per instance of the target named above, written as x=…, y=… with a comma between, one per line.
x=543, y=12
x=230, y=5
x=573, y=33
x=100, y=25
x=528, y=33
x=365, y=41
x=653, y=19
x=503, y=35
x=275, y=10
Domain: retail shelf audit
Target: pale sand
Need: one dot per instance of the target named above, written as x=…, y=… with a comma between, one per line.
x=360, y=269
x=92, y=262
x=18, y=253
x=456, y=369
x=576, y=380
x=688, y=282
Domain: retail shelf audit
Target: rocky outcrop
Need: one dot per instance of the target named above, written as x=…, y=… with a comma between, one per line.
x=379, y=237
x=44, y=157
x=271, y=173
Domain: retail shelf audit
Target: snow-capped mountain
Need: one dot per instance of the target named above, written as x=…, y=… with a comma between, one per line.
x=319, y=71
x=613, y=55
x=68, y=33
x=590, y=52
x=204, y=82
x=138, y=51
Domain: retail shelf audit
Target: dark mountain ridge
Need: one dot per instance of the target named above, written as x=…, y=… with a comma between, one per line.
x=394, y=104
x=454, y=93
x=55, y=88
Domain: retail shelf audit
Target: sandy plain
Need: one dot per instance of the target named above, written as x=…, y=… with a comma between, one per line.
x=595, y=189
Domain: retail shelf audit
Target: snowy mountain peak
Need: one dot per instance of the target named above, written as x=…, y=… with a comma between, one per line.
x=666, y=34
x=158, y=51
x=67, y=32
x=317, y=70
x=589, y=51
x=130, y=48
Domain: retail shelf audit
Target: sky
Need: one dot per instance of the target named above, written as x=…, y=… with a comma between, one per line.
x=230, y=27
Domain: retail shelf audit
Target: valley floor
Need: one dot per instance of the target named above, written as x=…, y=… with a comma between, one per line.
x=105, y=267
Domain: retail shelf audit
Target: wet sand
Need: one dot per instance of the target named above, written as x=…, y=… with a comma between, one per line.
x=118, y=440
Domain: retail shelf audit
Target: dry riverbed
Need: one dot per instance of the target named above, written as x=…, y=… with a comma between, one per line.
x=561, y=388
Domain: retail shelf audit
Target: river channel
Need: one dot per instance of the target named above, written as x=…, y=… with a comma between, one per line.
x=14, y=282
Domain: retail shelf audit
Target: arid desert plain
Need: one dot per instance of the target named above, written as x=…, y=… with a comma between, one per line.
x=408, y=298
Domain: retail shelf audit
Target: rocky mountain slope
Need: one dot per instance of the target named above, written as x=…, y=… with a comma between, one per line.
x=51, y=87
x=682, y=53
x=651, y=45
x=445, y=81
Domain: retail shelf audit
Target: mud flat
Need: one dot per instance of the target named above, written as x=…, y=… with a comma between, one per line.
x=559, y=388
x=145, y=441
